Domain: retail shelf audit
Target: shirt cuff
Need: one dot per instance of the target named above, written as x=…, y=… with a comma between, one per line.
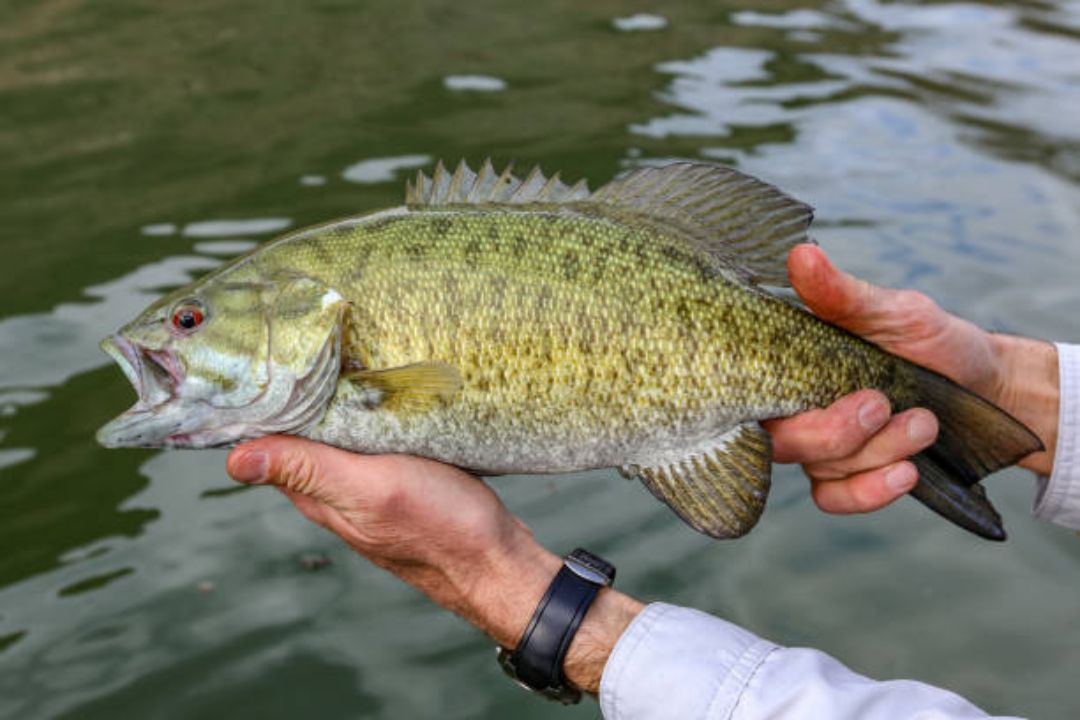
x=1058, y=497
x=674, y=662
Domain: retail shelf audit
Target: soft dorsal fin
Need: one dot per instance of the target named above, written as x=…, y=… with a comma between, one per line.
x=463, y=186
x=744, y=222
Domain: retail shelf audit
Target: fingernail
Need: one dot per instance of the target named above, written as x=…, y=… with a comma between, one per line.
x=251, y=467
x=901, y=477
x=873, y=414
x=921, y=428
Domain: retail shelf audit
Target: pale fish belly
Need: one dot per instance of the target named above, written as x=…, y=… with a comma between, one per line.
x=506, y=442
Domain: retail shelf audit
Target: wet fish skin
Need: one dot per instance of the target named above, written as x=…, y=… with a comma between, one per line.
x=564, y=362
x=525, y=326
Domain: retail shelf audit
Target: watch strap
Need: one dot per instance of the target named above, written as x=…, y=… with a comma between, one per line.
x=537, y=661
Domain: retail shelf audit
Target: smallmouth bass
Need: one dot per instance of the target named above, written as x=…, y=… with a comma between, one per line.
x=511, y=325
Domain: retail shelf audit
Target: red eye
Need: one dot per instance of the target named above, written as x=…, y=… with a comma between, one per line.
x=187, y=317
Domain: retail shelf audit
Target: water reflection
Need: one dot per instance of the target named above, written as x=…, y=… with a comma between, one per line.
x=14, y=456
x=158, y=229
x=640, y=22
x=224, y=248
x=476, y=83
x=802, y=21
x=234, y=228
x=380, y=170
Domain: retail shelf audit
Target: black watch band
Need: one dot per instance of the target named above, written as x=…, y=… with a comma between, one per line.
x=537, y=661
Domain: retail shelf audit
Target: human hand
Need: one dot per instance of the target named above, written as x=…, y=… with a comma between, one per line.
x=439, y=529
x=853, y=451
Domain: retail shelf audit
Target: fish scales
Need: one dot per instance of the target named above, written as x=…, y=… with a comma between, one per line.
x=512, y=326
x=551, y=355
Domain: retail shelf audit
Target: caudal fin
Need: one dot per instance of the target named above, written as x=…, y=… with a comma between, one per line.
x=976, y=439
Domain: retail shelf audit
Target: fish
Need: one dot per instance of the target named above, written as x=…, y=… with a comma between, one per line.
x=511, y=325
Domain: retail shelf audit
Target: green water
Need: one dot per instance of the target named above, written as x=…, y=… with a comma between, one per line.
x=142, y=143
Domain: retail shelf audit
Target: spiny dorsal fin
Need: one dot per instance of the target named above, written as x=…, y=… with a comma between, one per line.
x=464, y=187
x=718, y=488
x=744, y=222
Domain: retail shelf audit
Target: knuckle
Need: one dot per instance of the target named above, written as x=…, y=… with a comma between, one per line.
x=913, y=301
x=298, y=472
x=822, y=472
x=918, y=310
x=838, y=440
x=863, y=497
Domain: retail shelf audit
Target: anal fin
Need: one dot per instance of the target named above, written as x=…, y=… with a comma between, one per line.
x=718, y=488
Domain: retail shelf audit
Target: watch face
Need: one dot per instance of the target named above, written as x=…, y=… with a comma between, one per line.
x=591, y=567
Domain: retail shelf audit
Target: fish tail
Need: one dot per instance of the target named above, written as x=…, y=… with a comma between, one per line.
x=975, y=439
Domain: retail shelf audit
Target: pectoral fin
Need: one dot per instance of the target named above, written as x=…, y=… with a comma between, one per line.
x=718, y=488
x=409, y=388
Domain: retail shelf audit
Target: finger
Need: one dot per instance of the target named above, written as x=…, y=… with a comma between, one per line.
x=848, y=301
x=866, y=491
x=297, y=465
x=829, y=433
x=906, y=434
x=831, y=293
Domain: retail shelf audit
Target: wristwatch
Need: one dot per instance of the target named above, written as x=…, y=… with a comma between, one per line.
x=537, y=662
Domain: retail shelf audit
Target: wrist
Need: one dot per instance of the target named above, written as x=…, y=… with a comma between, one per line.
x=611, y=613
x=504, y=597
x=1028, y=387
x=514, y=578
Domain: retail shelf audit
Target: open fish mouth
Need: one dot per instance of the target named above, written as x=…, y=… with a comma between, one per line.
x=157, y=376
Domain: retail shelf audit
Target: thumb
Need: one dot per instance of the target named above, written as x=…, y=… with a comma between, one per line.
x=294, y=464
x=832, y=294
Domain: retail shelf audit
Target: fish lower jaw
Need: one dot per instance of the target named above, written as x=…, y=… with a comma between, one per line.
x=172, y=423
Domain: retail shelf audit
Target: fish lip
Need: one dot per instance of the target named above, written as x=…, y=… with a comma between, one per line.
x=156, y=375
x=123, y=351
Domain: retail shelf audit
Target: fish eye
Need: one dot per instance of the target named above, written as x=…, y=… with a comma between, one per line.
x=188, y=316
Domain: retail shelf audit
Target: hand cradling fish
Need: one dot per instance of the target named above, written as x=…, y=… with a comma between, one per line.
x=510, y=325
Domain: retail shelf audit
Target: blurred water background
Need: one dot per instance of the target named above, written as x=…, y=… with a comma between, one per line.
x=142, y=143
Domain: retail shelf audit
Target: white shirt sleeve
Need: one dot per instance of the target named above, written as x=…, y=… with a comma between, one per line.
x=1058, y=498
x=675, y=662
